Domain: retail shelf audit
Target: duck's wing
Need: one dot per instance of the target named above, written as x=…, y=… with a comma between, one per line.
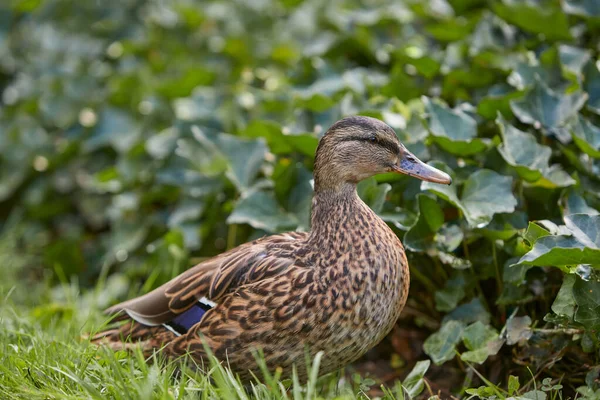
x=212, y=279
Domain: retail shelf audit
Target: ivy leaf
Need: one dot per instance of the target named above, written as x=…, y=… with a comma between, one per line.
x=492, y=33
x=470, y=312
x=279, y=142
x=543, y=107
x=421, y=235
x=448, y=298
x=530, y=159
x=534, y=232
x=560, y=251
x=583, y=247
x=453, y=130
x=497, y=100
x=521, y=151
x=373, y=194
x=586, y=136
x=115, y=128
x=441, y=346
x=592, y=86
x=413, y=383
x=585, y=8
x=554, y=177
x=245, y=158
x=518, y=329
x=526, y=75
x=505, y=226
x=574, y=203
x=565, y=304
x=203, y=105
x=484, y=194
x=482, y=341
x=202, y=153
x=162, y=144
x=573, y=59
x=586, y=228
x=513, y=384
x=548, y=21
x=587, y=297
x=260, y=210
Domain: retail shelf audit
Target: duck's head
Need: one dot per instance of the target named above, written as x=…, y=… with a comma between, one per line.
x=356, y=148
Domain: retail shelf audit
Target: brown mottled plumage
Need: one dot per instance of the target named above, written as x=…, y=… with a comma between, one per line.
x=338, y=288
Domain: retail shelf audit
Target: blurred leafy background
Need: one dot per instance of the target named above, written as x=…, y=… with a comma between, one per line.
x=138, y=137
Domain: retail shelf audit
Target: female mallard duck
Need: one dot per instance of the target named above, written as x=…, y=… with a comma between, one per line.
x=338, y=288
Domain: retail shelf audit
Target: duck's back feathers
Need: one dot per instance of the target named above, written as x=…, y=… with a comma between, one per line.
x=211, y=281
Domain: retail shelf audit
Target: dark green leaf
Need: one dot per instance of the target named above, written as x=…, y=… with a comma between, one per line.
x=421, y=235
x=470, y=312
x=548, y=20
x=565, y=304
x=245, y=158
x=441, y=346
x=372, y=193
x=484, y=194
x=543, y=107
x=260, y=210
x=587, y=297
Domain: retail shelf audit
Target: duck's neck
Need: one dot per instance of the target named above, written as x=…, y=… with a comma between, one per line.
x=333, y=210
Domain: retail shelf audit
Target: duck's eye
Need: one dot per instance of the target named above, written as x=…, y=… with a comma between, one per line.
x=373, y=139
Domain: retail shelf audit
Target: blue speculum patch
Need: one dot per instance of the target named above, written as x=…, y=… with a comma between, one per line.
x=182, y=323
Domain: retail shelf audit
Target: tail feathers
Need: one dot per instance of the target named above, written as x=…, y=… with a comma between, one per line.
x=134, y=334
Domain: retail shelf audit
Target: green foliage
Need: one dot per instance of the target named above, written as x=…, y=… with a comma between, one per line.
x=138, y=136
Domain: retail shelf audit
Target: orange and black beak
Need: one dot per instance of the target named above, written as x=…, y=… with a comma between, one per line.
x=410, y=165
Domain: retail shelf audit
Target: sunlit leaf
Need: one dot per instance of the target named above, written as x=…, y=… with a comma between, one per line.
x=562, y=250
x=521, y=150
x=453, y=130
x=414, y=381
x=586, y=8
x=573, y=58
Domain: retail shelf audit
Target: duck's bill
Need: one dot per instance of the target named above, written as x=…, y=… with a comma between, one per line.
x=412, y=166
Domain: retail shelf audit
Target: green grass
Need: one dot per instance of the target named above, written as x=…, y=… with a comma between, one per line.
x=43, y=354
